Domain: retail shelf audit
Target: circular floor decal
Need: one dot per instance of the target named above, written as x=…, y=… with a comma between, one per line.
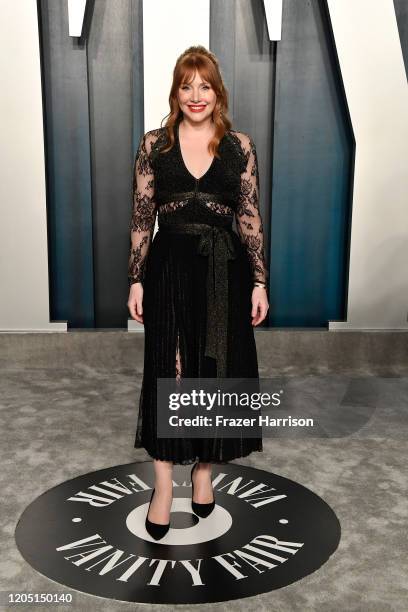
x=265, y=532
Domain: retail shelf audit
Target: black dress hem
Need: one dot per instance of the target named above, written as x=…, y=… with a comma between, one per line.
x=202, y=459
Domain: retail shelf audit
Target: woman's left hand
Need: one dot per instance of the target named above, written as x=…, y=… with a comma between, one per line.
x=260, y=305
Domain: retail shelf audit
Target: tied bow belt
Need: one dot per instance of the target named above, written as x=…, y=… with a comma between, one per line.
x=217, y=244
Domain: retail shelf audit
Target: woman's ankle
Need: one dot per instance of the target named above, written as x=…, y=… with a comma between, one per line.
x=163, y=485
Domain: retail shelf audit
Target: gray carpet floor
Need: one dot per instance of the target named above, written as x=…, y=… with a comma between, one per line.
x=57, y=423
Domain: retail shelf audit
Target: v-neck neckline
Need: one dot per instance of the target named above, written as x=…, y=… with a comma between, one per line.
x=184, y=163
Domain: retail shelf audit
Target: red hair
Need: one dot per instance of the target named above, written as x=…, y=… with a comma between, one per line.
x=198, y=58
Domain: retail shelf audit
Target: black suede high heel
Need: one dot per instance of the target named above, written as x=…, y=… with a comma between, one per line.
x=202, y=510
x=155, y=530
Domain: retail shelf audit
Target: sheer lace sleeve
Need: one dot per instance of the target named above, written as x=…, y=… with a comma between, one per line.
x=143, y=210
x=248, y=218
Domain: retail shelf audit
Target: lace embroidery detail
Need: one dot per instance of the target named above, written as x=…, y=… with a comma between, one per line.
x=219, y=209
x=172, y=206
x=248, y=218
x=158, y=140
x=143, y=208
x=236, y=140
x=205, y=199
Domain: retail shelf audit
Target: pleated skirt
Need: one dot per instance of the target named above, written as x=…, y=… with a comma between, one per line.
x=175, y=318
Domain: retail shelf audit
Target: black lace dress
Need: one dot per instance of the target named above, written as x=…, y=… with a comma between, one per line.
x=197, y=275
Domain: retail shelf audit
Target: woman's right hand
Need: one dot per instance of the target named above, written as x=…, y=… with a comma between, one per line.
x=135, y=302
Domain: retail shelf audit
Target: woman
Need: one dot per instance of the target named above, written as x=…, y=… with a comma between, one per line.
x=195, y=174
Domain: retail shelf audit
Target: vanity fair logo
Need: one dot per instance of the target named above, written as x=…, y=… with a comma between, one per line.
x=265, y=532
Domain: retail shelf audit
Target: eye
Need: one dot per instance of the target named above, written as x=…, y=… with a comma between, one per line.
x=206, y=86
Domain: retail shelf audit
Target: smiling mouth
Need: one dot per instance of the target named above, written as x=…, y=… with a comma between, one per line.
x=196, y=107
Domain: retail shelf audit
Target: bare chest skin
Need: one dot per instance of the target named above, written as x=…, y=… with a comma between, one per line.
x=195, y=154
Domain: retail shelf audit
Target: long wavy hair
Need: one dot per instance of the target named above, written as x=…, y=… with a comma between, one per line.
x=205, y=62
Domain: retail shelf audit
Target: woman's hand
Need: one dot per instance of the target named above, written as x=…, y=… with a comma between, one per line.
x=260, y=305
x=135, y=302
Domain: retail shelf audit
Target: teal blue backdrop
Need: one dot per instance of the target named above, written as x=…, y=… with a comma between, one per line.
x=287, y=95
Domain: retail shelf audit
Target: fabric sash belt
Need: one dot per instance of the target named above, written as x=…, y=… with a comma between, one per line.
x=217, y=244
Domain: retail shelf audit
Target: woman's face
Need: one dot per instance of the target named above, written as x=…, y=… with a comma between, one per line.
x=197, y=99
